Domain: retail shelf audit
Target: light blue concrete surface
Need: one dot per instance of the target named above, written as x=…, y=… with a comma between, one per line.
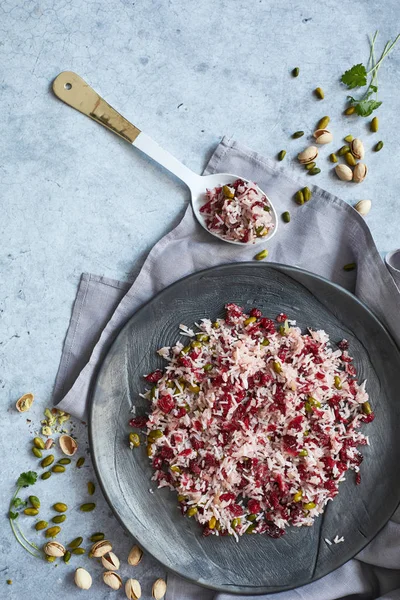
x=75, y=198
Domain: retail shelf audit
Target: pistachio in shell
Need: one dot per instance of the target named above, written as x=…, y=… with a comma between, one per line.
x=308, y=155
x=133, y=590
x=323, y=136
x=99, y=549
x=363, y=207
x=24, y=403
x=135, y=556
x=112, y=579
x=54, y=549
x=67, y=444
x=344, y=172
x=110, y=561
x=82, y=579
x=357, y=149
x=359, y=172
x=159, y=589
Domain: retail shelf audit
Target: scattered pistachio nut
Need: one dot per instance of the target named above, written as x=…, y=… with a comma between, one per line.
x=112, y=579
x=159, y=589
x=314, y=171
x=24, y=403
x=36, y=452
x=67, y=556
x=310, y=165
x=348, y=138
x=319, y=92
x=88, y=506
x=333, y=158
x=296, y=72
x=357, y=149
x=82, y=579
x=41, y=525
x=52, y=531
x=297, y=134
x=135, y=556
x=50, y=559
x=363, y=207
x=60, y=507
x=374, y=125
x=47, y=461
x=78, y=551
x=299, y=197
x=133, y=590
x=80, y=462
x=323, y=123
x=45, y=475
x=54, y=549
x=343, y=150
x=348, y=267
x=35, y=502
x=350, y=110
x=46, y=431
x=378, y=146
x=64, y=461
x=97, y=537
x=349, y=158
x=91, y=488
x=323, y=136
x=67, y=444
x=75, y=543
x=31, y=512
x=99, y=549
x=308, y=155
x=286, y=217
x=39, y=443
x=306, y=194
x=281, y=154
x=58, y=469
x=110, y=561
x=344, y=172
x=360, y=172
x=260, y=256
x=59, y=519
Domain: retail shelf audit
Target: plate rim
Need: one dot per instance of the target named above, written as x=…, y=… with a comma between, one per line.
x=283, y=268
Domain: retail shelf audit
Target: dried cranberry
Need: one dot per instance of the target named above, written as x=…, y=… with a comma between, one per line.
x=236, y=510
x=296, y=423
x=181, y=412
x=331, y=486
x=351, y=370
x=346, y=358
x=206, y=208
x=166, y=404
x=358, y=478
x=194, y=467
x=154, y=376
x=210, y=460
x=196, y=444
x=207, y=531
x=281, y=484
x=369, y=418
x=256, y=312
x=254, y=506
x=290, y=444
x=267, y=324
x=186, y=452
x=157, y=462
x=138, y=422
x=273, y=497
x=185, y=361
x=166, y=452
x=274, y=531
x=343, y=345
x=233, y=311
x=320, y=376
x=227, y=497
x=281, y=318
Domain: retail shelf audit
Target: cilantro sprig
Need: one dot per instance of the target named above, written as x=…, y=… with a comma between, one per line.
x=358, y=75
x=23, y=481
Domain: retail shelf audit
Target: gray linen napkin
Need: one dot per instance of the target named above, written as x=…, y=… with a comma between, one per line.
x=323, y=235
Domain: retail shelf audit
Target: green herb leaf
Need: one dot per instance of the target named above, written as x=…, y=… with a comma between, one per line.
x=27, y=479
x=355, y=77
x=18, y=503
x=364, y=107
x=12, y=515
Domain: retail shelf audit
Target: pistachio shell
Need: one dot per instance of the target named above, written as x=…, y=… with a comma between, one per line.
x=308, y=155
x=323, y=136
x=133, y=590
x=82, y=579
x=363, y=207
x=135, y=556
x=24, y=403
x=99, y=549
x=360, y=172
x=110, y=561
x=159, y=589
x=54, y=549
x=357, y=149
x=344, y=172
x=67, y=444
x=113, y=580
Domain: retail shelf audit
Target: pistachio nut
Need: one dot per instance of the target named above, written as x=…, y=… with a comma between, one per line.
x=319, y=92
x=97, y=537
x=110, y=561
x=135, y=556
x=333, y=157
x=378, y=146
x=308, y=155
x=54, y=549
x=64, y=461
x=60, y=507
x=49, y=443
x=34, y=500
x=349, y=138
x=67, y=444
x=24, y=403
x=349, y=158
x=357, y=149
x=374, y=126
x=78, y=551
x=323, y=136
x=59, y=519
x=46, y=430
x=310, y=165
x=159, y=589
x=344, y=172
x=52, y=531
x=360, y=172
x=47, y=461
x=112, y=579
x=91, y=488
x=41, y=525
x=82, y=579
x=58, y=469
x=39, y=443
x=80, y=462
x=350, y=110
x=88, y=506
x=343, y=150
x=45, y=475
x=75, y=543
x=314, y=171
x=295, y=72
x=36, y=452
x=31, y=512
x=363, y=207
x=99, y=549
x=67, y=557
x=323, y=123
x=133, y=590
x=281, y=154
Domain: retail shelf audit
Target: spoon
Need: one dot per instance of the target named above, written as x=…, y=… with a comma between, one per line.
x=75, y=92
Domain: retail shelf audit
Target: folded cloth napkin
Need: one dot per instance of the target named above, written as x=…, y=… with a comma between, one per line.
x=323, y=235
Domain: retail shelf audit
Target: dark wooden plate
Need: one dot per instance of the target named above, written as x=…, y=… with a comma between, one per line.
x=257, y=564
